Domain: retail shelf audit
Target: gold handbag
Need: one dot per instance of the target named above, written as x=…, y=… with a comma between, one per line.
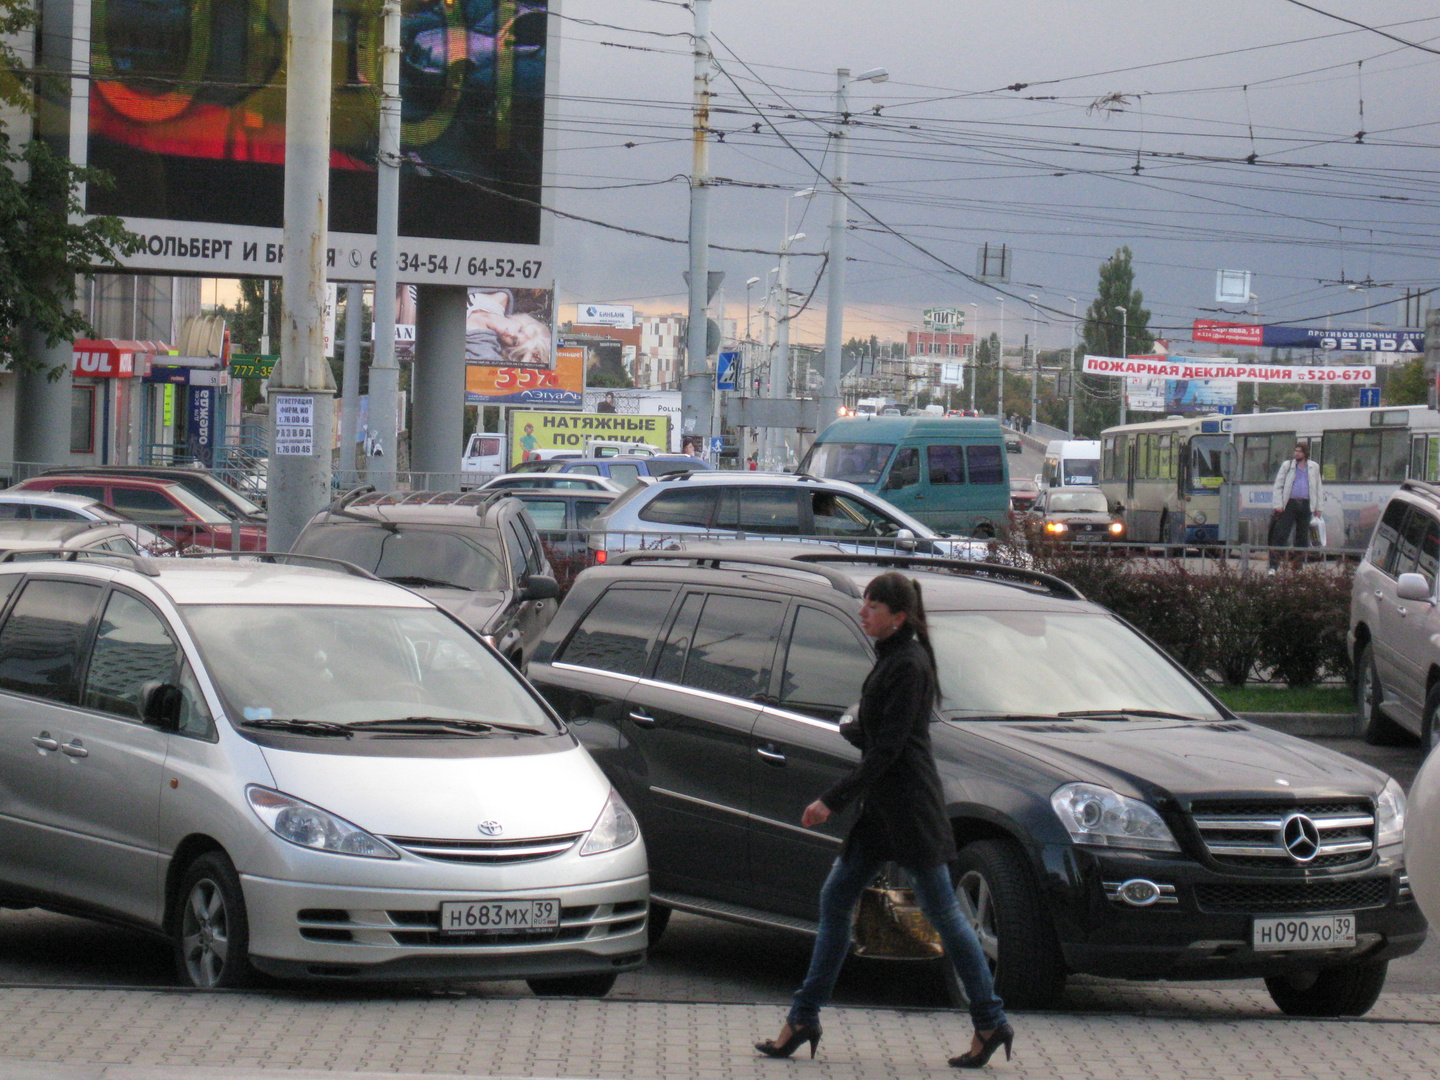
x=891, y=926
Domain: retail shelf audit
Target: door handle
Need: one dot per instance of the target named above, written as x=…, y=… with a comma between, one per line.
x=45, y=742
x=1400, y=611
x=771, y=756
x=1379, y=594
x=75, y=748
x=643, y=720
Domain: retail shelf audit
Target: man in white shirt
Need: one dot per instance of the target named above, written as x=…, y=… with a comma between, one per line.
x=1297, y=489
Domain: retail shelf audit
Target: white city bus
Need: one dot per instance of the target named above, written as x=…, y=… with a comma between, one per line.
x=1166, y=476
x=1363, y=455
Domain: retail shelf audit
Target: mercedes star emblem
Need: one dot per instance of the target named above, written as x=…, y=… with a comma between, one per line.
x=1300, y=837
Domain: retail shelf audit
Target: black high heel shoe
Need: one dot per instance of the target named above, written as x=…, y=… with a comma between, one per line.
x=802, y=1033
x=1002, y=1035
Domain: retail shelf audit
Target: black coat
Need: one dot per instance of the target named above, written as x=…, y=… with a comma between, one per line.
x=902, y=813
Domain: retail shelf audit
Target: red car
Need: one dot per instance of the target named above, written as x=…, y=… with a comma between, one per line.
x=163, y=505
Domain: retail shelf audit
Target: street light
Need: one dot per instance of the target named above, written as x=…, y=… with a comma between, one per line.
x=974, y=355
x=749, y=282
x=1000, y=367
x=1124, y=351
x=1070, y=409
x=834, y=310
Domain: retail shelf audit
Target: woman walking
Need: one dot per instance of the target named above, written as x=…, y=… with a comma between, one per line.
x=902, y=819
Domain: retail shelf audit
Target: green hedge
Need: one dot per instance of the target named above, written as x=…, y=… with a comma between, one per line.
x=1222, y=623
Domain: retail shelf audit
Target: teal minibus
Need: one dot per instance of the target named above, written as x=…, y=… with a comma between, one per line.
x=950, y=472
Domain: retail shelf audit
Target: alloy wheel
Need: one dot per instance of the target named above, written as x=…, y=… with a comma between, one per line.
x=205, y=933
x=978, y=906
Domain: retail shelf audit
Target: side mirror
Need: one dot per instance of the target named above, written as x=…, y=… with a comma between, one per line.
x=905, y=540
x=1415, y=587
x=160, y=704
x=540, y=587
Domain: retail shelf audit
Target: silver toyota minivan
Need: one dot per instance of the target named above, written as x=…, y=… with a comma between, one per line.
x=300, y=770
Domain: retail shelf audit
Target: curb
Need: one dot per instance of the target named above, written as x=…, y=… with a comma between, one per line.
x=1307, y=725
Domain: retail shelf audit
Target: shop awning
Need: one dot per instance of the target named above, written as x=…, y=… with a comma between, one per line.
x=112, y=358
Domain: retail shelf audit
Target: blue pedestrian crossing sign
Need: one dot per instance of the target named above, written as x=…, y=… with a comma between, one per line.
x=727, y=370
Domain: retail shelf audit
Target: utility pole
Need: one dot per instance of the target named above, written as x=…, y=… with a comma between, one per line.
x=1070, y=407
x=302, y=391
x=382, y=426
x=697, y=389
x=1124, y=352
x=1000, y=367
x=1035, y=382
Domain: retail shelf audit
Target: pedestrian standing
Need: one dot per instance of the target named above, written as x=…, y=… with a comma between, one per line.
x=902, y=820
x=1298, y=487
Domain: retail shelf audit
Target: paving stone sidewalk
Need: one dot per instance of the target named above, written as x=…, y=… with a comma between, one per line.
x=51, y=1033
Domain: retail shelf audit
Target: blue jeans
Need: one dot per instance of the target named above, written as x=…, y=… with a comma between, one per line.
x=848, y=878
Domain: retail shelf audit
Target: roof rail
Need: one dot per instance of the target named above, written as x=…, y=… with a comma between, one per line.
x=141, y=563
x=1055, y=586
x=715, y=560
x=288, y=556
x=1420, y=485
x=369, y=497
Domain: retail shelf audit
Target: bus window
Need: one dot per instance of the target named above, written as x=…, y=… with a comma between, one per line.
x=1261, y=455
x=1112, y=457
x=1204, y=457
x=1365, y=456
x=1166, y=462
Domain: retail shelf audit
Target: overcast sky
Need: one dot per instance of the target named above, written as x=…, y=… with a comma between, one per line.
x=944, y=157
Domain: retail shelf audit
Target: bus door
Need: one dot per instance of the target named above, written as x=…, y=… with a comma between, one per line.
x=1130, y=447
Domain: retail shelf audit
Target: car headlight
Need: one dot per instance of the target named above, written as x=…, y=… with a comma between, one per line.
x=308, y=826
x=1117, y=527
x=1096, y=815
x=1055, y=526
x=615, y=827
x=1390, y=815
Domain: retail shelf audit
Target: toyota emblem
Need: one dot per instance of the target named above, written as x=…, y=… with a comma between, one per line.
x=493, y=828
x=1300, y=837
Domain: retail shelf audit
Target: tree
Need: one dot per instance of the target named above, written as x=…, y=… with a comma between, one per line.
x=1109, y=333
x=43, y=253
x=1407, y=384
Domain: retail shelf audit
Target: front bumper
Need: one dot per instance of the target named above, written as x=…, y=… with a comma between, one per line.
x=302, y=930
x=1206, y=932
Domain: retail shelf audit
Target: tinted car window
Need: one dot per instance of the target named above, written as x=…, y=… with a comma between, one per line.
x=625, y=474
x=840, y=515
x=1407, y=547
x=1429, y=554
x=732, y=646
x=671, y=667
x=546, y=513
x=760, y=510
x=615, y=634
x=946, y=464
x=14, y=512
x=147, y=505
x=41, y=641
x=986, y=464
x=585, y=511
x=54, y=513
x=408, y=554
x=825, y=664
x=681, y=506
x=132, y=647
x=90, y=491
x=1387, y=531
x=585, y=470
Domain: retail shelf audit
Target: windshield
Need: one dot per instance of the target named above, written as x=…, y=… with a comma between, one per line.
x=1206, y=453
x=1042, y=663
x=1087, y=502
x=859, y=463
x=1081, y=470
x=345, y=664
x=408, y=555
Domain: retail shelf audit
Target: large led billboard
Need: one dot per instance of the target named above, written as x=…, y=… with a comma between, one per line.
x=186, y=109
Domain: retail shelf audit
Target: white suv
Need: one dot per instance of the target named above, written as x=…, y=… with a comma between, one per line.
x=1395, y=621
x=768, y=506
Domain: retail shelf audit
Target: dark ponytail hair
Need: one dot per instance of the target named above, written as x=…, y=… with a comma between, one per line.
x=902, y=595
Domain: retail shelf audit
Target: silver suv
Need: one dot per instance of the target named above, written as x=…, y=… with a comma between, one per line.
x=761, y=506
x=303, y=771
x=1395, y=621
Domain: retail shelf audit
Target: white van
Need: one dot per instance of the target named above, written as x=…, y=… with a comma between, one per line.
x=1070, y=463
x=484, y=453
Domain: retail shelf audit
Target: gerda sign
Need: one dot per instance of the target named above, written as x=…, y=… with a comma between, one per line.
x=185, y=106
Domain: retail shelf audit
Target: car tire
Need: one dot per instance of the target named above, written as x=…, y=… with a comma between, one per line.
x=586, y=986
x=1430, y=720
x=1373, y=726
x=1344, y=991
x=999, y=895
x=655, y=924
x=210, y=926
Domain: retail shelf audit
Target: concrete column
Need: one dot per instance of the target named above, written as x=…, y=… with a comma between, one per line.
x=42, y=408
x=437, y=427
x=350, y=391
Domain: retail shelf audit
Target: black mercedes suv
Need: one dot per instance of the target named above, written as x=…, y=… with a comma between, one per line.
x=1113, y=818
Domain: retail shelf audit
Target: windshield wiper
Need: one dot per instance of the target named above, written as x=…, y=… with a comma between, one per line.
x=425, y=582
x=437, y=723
x=1008, y=716
x=1100, y=714
x=303, y=727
